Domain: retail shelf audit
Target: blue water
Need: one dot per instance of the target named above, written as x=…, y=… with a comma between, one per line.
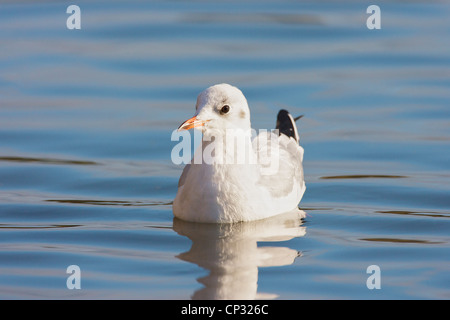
x=86, y=177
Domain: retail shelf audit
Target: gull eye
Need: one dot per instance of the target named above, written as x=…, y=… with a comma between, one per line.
x=225, y=109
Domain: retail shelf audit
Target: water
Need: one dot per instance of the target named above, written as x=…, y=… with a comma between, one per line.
x=86, y=177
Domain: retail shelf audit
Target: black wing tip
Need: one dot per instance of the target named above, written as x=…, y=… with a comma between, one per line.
x=286, y=124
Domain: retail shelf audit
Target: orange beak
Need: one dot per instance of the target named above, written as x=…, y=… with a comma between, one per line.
x=191, y=123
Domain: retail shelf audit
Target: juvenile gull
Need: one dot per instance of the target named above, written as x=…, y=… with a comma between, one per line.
x=268, y=182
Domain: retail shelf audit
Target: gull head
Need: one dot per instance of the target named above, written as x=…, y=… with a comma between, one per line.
x=219, y=107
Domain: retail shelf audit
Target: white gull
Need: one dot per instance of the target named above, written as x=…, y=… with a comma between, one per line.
x=228, y=191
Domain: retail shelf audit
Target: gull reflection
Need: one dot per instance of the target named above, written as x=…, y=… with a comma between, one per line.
x=231, y=254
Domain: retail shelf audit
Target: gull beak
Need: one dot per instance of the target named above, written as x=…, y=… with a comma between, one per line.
x=191, y=123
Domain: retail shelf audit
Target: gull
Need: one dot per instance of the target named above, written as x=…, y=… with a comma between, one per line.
x=266, y=181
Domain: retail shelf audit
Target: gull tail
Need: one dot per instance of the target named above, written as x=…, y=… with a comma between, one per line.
x=286, y=124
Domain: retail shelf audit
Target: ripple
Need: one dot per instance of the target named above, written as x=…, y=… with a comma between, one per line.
x=365, y=176
x=252, y=18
